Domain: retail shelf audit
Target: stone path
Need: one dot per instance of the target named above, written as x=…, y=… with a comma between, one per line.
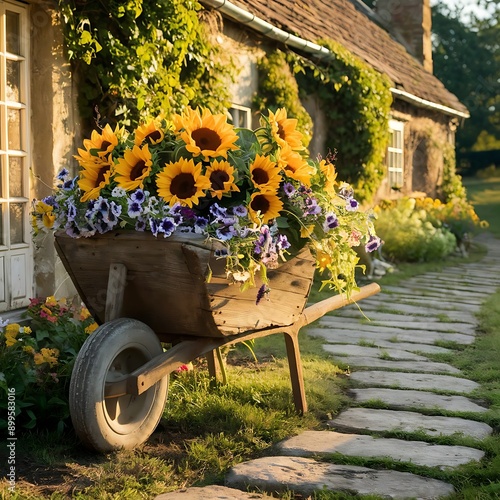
x=388, y=356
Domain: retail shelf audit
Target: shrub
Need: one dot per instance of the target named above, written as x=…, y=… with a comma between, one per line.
x=411, y=234
x=36, y=361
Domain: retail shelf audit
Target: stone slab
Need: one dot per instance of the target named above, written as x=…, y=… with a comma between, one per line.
x=210, y=493
x=312, y=443
x=305, y=476
x=409, y=366
x=354, y=336
x=440, y=305
x=457, y=285
x=407, y=346
x=409, y=399
x=422, y=381
x=367, y=419
x=373, y=352
x=434, y=291
x=408, y=324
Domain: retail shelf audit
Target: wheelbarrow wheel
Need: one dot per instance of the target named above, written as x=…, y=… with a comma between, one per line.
x=113, y=351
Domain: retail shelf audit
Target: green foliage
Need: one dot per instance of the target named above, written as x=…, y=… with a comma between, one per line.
x=36, y=362
x=466, y=58
x=142, y=57
x=356, y=100
x=410, y=234
x=278, y=88
x=452, y=186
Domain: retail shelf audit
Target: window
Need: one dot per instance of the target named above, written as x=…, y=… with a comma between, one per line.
x=15, y=236
x=395, y=157
x=241, y=116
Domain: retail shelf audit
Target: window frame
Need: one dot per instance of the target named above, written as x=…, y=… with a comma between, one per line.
x=395, y=155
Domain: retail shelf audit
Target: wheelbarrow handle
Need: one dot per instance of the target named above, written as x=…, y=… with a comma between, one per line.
x=319, y=309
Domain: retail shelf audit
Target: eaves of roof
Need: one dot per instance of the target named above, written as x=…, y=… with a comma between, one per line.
x=361, y=34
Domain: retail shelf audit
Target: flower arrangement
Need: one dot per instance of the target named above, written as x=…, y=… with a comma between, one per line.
x=37, y=360
x=253, y=191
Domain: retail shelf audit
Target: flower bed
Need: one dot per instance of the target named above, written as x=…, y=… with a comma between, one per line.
x=254, y=191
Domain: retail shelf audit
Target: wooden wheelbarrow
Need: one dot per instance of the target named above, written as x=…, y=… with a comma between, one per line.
x=144, y=291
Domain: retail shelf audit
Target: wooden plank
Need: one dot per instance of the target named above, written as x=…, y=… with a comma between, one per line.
x=116, y=288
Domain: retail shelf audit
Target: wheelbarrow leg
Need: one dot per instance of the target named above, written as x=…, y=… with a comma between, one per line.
x=295, y=366
x=213, y=370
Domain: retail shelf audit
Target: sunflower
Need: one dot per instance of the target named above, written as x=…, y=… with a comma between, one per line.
x=205, y=134
x=295, y=166
x=182, y=182
x=134, y=168
x=99, y=145
x=94, y=176
x=221, y=175
x=284, y=129
x=264, y=206
x=150, y=133
x=265, y=174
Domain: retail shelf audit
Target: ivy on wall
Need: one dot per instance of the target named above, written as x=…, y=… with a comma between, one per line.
x=278, y=88
x=135, y=58
x=356, y=101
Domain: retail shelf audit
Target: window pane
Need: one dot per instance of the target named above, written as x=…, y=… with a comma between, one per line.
x=16, y=176
x=14, y=131
x=13, y=92
x=16, y=223
x=2, y=207
x=13, y=32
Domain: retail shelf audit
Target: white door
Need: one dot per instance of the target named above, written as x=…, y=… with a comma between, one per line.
x=16, y=255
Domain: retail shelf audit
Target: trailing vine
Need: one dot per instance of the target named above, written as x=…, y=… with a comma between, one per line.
x=278, y=88
x=135, y=58
x=452, y=186
x=357, y=101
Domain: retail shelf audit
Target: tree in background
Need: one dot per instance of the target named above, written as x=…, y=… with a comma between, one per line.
x=466, y=53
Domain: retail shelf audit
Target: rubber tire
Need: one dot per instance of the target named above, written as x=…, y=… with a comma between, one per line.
x=116, y=348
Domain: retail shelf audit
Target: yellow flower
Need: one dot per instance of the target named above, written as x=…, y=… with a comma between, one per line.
x=306, y=231
x=94, y=176
x=134, y=168
x=182, y=182
x=47, y=213
x=284, y=130
x=330, y=174
x=205, y=134
x=84, y=314
x=27, y=330
x=51, y=301
x=265, y=174
x=29, y=349
x=12, y=329
x=46, y=356
x=10, y=339
x=150, y=132
x=295, y=166
x=264, y=207
x=91, y=328
x=99, y=145
x=221, y=176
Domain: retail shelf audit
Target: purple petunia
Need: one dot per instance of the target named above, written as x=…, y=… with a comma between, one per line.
x=63, y=174
x=289, y=189
x=240, y=211
x=331, y=222
x=373, y=243
x=138, y=196
x=352, y=205
x=134, y=209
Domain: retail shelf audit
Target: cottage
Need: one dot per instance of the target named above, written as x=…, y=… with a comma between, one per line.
x=40, y=124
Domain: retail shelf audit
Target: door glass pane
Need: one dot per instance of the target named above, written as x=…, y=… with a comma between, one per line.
x=12, y=91
x=16, y=222
x=13, y=32
x=14, y=131
x=15, y=176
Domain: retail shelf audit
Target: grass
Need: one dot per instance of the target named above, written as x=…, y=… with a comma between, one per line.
x=207, y=427
x=484, y=194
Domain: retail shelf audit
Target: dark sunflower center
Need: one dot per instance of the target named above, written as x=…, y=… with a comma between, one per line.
x=260, y=176
x=105, y=145
x=101, y=174
x=154, y=136
x=137, y=170
x=183, y=186
x=206, y=138
x=281, y=131
x=289, y=168
x=260, y=203
x=218, y=178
